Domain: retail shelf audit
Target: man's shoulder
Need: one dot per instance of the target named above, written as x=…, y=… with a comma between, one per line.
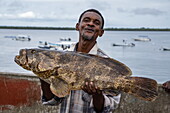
x=101, y=53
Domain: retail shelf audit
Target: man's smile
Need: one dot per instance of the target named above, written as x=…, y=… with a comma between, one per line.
x=89, y=30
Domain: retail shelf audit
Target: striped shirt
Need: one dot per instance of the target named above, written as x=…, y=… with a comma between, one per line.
x=81, y=102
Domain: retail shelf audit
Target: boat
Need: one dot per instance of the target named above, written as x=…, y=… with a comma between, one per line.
x=9, y=36
x=124, y=45
x=61, y=45
x=142, y=38
x=23, y=38
x=165, y=49
x=18, y=89
x=65, y=39
x=47, y=47
x=19, y=37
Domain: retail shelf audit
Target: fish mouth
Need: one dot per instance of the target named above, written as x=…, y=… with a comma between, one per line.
x=16, y=59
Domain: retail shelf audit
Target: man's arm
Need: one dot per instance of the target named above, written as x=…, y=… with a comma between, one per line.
x=46, y=90
x=48, y=98
x=101, y=102
x=98, y=97
x=98, y=101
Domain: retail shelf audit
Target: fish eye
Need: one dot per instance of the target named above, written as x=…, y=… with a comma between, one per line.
x=32, y=51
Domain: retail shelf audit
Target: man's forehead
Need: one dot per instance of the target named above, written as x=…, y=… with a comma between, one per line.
x=93, y=15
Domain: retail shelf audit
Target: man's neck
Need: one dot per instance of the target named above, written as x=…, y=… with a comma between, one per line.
x=85, y=46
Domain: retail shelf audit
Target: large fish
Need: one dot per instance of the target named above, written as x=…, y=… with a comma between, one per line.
x=66, y=71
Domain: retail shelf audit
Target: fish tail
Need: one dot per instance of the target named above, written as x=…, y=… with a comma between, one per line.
x=144, y=88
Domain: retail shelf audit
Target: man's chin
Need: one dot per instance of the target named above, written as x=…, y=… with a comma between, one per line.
x=88, y=35
x=88, y=38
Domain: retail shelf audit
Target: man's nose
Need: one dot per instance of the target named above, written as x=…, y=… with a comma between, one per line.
x=91, y=23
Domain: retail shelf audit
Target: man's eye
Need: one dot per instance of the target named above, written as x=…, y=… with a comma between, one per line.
x=86, y=20
x=97, y=23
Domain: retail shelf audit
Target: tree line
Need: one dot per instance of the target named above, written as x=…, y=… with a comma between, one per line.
x=71, y=28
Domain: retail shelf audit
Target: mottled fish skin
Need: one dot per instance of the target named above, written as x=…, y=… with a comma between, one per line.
x=84, y=65
x=67, y=71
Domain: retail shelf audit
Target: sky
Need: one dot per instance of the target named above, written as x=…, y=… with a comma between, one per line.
x=65, y=13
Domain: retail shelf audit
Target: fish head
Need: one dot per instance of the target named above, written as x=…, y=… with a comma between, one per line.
x=36, y=60
x=26, y=58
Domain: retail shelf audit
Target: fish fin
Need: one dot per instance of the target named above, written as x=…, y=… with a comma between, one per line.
x=47, y=73
x=144, y=88
x=59, y=87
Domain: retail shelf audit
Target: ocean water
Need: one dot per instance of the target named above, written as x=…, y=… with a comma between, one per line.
x=145, y=59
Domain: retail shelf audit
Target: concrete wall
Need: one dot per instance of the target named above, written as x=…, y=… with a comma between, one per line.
x=129, y=104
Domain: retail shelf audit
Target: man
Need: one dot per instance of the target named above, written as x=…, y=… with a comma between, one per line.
x=166, y=86
x=90, y=99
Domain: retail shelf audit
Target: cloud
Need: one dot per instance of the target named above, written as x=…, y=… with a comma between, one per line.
x=100, y=4
x=11, y=6
x=121, y=10
x=142, y=11
x=147, y=11
x=25, y=15
x=28, y=14
x=66, y=12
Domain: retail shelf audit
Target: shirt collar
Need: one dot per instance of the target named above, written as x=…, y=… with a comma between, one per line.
x=92, y=51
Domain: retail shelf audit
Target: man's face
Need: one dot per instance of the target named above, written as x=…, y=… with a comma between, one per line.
x=90, y=26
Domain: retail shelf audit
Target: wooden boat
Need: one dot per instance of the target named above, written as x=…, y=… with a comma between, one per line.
x=18, y=89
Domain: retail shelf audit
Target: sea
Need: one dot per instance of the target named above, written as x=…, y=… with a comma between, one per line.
x=145, y=59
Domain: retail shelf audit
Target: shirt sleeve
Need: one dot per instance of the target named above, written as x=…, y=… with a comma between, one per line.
x=110, y=103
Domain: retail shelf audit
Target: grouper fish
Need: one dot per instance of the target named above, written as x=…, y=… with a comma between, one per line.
x=66, y=71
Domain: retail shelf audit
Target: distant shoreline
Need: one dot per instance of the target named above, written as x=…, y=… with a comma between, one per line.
x=70, y=28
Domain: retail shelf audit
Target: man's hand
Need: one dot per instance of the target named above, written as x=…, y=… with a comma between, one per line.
x=166, y=86
x=91, y=89
x=98, y=98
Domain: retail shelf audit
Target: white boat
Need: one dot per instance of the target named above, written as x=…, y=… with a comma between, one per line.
x=125, y=45
x=142, y=38
x=22, y=38
x=61, y=45
x=9, y=36
x=47, y=47
x=65, y=39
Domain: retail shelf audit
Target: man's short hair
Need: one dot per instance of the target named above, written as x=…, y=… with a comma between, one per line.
x=93, y=10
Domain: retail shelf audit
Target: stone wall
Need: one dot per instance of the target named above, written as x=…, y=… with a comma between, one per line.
x=129, y=104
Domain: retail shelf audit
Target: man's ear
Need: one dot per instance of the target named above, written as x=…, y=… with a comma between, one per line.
x=77, y=26
x=101, y=32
